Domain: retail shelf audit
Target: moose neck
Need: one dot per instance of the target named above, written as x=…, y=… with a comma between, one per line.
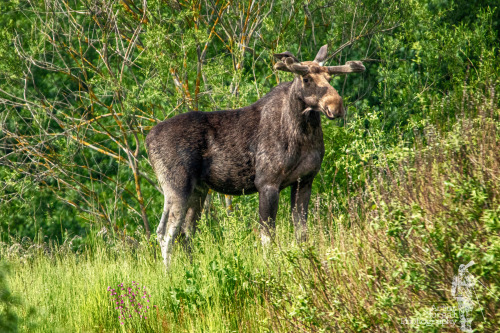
x=296, y=121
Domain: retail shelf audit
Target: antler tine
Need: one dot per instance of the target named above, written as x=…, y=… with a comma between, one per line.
x=292, y=67
x=299, y=69
x=322, y=54
x=349, y=67
x=280, y=66
x=286, y=54
x=290, y=64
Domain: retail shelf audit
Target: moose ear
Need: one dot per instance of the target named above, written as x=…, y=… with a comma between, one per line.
x=286, y=54
x=322, y=54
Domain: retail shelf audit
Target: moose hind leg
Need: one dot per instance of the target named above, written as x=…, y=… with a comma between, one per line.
x=170, y=224
x=193, y=213
x=160, y=231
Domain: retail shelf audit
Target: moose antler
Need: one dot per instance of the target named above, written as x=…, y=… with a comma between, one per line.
x=289, y=63
x=349, y=67
x=322, y=54
x=284, y=55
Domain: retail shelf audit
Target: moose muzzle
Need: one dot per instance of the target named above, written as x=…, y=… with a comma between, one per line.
x=333, y=107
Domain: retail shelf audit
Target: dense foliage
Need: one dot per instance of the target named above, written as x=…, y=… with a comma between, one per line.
x=408, y=189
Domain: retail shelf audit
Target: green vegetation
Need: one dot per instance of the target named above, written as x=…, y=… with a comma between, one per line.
x=409, y=188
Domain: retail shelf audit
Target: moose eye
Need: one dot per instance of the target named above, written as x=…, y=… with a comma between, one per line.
x=306, y=80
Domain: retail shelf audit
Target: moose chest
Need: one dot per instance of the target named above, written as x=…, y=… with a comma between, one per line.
x=305, y=163
x=283, y=161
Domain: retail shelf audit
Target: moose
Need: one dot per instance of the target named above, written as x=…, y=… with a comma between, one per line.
x=264, y=147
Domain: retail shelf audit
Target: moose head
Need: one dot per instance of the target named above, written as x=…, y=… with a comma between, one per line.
x=276, y=142
x=312, y=81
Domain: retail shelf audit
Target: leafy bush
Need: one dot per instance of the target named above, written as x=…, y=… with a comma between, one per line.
x=411, y=227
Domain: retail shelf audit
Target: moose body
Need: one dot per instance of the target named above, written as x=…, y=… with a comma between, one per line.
x=265, y=147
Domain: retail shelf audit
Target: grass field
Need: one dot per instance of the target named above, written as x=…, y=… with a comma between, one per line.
x=408, y=192
x=388, y=258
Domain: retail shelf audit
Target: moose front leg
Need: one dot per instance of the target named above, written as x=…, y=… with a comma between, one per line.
x=300, y=195
x=268, y=207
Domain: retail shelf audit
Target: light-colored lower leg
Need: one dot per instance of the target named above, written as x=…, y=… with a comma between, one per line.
x=266, y=234
x=190, y=221
x=175, y=219
x=164, y=251
x=265, y=239
x=193, y=214
x=160, y=231
x=167, y=243
x=300, y=225
x=162, y=226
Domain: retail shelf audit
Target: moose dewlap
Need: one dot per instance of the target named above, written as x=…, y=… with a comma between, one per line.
x=264, y=147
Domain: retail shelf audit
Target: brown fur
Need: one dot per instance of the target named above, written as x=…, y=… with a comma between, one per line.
x=272, y=144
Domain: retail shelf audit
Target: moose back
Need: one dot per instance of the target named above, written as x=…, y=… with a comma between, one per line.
x=264, y=147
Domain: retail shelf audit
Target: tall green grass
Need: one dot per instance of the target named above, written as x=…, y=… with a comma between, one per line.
x=385, y=253
x=210, y=290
